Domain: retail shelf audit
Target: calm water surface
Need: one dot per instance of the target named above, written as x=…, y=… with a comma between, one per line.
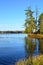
x=13, y=47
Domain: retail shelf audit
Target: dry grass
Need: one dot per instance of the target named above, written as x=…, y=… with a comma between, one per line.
x=36, y=61
x=36, y=35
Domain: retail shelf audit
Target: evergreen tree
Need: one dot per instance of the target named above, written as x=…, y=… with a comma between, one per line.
x=41, y=22
x=29, y=22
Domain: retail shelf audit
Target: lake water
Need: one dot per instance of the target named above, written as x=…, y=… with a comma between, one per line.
x=13, y=47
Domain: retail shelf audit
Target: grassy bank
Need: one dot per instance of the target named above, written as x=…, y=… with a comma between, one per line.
x=36, y=60
x=36, y=35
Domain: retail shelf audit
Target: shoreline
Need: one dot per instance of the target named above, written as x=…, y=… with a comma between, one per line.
x=35, y=35
x=11, y=31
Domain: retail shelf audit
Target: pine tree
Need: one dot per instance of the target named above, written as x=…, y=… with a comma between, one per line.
x=41, y=22
x=29, y=22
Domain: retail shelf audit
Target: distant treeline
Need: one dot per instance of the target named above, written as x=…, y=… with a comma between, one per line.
x=3, y=32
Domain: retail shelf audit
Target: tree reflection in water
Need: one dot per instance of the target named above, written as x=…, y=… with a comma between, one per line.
x=33, y=45
x=41, y=46
x=30, y=46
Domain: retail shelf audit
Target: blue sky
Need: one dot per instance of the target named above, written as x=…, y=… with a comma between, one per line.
x=12, y=14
